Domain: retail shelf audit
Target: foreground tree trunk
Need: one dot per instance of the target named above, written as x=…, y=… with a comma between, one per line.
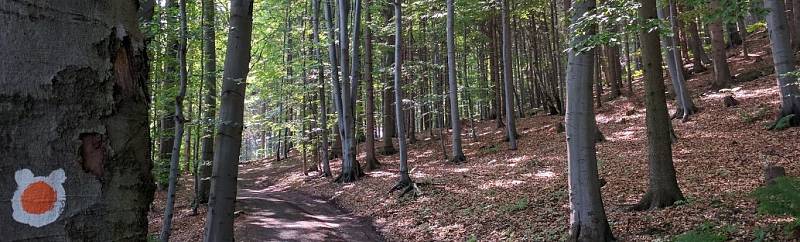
x=587, y=216
x=782, y=56
x=722, y=74
x=455, y=120
x=663, y=190
x=74, y=98
x=219, y=224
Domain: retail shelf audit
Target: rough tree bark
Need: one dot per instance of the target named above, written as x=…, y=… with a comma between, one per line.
x=74, y=111
x=663, y=188
x=455, y=120
x=587, y=216
x=388, y=128
x=228, y=140
x=783, y=57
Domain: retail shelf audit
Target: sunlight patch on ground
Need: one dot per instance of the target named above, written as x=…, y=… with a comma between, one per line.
x=502, y=183
x=629, y=134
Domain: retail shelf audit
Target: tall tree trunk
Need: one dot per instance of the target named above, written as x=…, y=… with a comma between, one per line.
x=587, y=216
x=405, y=180
x=209, y=99
x=663, y=188
x=509, y=91
x=388, y=128
x=167, y=122
x=722, y=74
x=699, y=56
x=219, y=224
x=351, y=169
x=455, y=120
x=174, y=165
x=80, y=128
x=686, y=106
x=783, y=57
x=371, y=161
x=323, y=103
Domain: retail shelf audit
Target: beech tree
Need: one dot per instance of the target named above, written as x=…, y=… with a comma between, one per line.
x=219, y=223
x=674, y=60
x=587, y=216
x=722, y=74
x=75, y=99
x=511, y=129
x=783, y=57
x=209, y=100
x=663, y=189
x=455, y=120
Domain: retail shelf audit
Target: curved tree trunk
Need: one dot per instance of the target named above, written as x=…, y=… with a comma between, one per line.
x=219, y=224
x=587, y=216
x=663, y=190
x=74, y=98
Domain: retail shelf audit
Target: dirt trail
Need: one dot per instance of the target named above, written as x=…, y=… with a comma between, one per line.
x=272, y=213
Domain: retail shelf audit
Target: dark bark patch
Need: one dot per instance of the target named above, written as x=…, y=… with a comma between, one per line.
x=93, y=153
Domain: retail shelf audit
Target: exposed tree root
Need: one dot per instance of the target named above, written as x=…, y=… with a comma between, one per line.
x=372, y=164
x=684, y=116
x=406, y=185
x=352, y=175
x=458, y=159
x=653, y=201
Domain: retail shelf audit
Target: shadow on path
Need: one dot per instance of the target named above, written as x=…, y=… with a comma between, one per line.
x=270, y=213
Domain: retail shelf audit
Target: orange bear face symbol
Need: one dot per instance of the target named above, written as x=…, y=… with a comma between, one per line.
x=39, y=200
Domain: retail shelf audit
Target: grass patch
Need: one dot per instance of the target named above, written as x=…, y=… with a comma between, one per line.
x=751, y=117
x=519, y=205
x=704, y=233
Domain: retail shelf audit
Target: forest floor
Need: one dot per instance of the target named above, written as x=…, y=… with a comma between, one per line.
x=499, y=194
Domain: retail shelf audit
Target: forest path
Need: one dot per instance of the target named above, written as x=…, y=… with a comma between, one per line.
x=269, y=212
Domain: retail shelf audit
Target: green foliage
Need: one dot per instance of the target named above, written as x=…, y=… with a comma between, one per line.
x=472, y=238
x=519, y=205
x=703, y=233
x=686, y=201
x=760, y=235
x=756, y=27
x=783, y=123
x=781, y=197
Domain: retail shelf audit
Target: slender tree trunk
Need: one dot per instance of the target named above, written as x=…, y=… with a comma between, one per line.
x=699, y=57
x=509, y=91
x=783, y=57
x=722, y=75
x=686, y=106
x=587, y=216
x=174, y=163
x=455, y=120
x=371, y=161
x=405, y=180
x=389, y=130
x=663, y=189
x=219, y=224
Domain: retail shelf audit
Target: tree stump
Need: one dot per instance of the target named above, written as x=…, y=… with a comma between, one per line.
x=729, y=101
x=773, y=172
